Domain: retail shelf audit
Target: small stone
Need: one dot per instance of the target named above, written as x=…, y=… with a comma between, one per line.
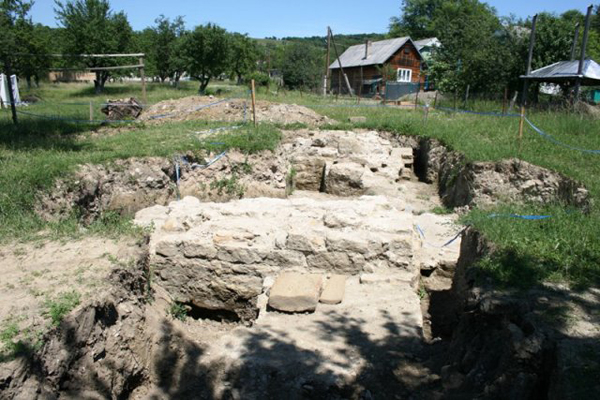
x=334, y=290
x=295, y=292
x=171, y=225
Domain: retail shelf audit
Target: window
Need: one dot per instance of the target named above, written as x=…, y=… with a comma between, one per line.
x=404, y=75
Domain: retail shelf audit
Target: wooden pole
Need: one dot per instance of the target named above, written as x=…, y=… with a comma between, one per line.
x=340, y=63
x=505, y=101
x=143, y=76
x=575, y=40
x=327, y=63
x=526, y=82
x=455, y=98
x=361, y=84
x=467, y=96
x=586, y=32
x=11, y=97
x=253, y=103
x=435, y=99
x=417, y=96
x=91, y=111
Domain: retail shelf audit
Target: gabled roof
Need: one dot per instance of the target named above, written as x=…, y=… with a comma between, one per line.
x=567, y=71
x=379, y=53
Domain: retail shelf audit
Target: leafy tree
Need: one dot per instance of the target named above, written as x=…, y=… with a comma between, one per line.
x=13, y=19
x=301, y=66
x=417, y=20
x=34, y=40
x=161, y=47
x=244, y=55
x=91, y=27
x=476, y=49
x=205, y=52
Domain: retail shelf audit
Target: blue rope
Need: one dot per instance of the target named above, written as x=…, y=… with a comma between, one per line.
x=526, y=217
x=557, y=142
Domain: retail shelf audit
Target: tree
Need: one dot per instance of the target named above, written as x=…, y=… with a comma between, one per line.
x=91, y=27
x=33, y=40
x=205, y=52
x=417, y=20
x=13, y=18
x=301, y=65
x=161, y=47
x=476, y=49
x=244, y=55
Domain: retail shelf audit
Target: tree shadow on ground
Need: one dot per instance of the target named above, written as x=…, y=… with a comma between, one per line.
x=31, y=134
x=272, y=365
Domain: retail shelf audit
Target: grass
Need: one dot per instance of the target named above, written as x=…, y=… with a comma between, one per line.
x=178, y=311
x=59, y=307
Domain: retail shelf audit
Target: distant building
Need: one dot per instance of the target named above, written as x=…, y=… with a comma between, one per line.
x=427, y=47
x=364, y=65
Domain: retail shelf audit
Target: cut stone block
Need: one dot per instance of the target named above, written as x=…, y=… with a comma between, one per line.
x=334, y=290
x=295, y=292
x=398, y=277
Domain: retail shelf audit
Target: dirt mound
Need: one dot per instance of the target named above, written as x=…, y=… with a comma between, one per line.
x=210, y=108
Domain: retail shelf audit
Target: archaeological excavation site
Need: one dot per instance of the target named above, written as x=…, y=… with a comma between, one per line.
x=336, y=267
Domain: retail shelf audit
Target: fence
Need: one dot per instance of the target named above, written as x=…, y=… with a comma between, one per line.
x=395, y=91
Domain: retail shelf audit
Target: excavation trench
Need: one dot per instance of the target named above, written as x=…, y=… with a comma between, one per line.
x=411, y=322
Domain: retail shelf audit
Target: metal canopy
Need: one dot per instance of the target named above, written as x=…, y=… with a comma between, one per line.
x=565, y=71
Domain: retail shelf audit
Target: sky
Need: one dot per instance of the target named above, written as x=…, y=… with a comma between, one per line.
x=281, y=18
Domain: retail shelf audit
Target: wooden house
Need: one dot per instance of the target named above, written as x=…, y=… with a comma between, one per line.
x=364, y=65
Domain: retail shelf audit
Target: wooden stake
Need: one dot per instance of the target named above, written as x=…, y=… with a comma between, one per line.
x=143, y=76
x=253, y=103
x=91, y=111
x=417, y=97
x=435, y=99
x=467, y=96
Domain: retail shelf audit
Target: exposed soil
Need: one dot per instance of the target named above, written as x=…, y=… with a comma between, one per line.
x=235, y=110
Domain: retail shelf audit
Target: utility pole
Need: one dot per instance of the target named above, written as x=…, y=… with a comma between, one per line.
x=586, y=32
x=327, y=63
x=526, y=80
x=575, y=40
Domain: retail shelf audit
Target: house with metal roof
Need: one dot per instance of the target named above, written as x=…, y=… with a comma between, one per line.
x=365, y=65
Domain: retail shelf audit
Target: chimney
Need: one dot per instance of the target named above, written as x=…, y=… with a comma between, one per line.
x=367, y=49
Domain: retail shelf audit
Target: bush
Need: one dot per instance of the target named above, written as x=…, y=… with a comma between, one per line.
x=260, y=79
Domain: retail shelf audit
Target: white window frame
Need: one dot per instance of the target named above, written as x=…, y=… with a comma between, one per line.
x=404, y=75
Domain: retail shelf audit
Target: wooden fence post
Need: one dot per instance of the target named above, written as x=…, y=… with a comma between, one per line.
x=143, y=76
x=435, y=99
x=253, y=103
x=91, y=111
x=417, y=96
x=11, y=96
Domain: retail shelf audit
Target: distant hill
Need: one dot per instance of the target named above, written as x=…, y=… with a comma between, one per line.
x=342, y=41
